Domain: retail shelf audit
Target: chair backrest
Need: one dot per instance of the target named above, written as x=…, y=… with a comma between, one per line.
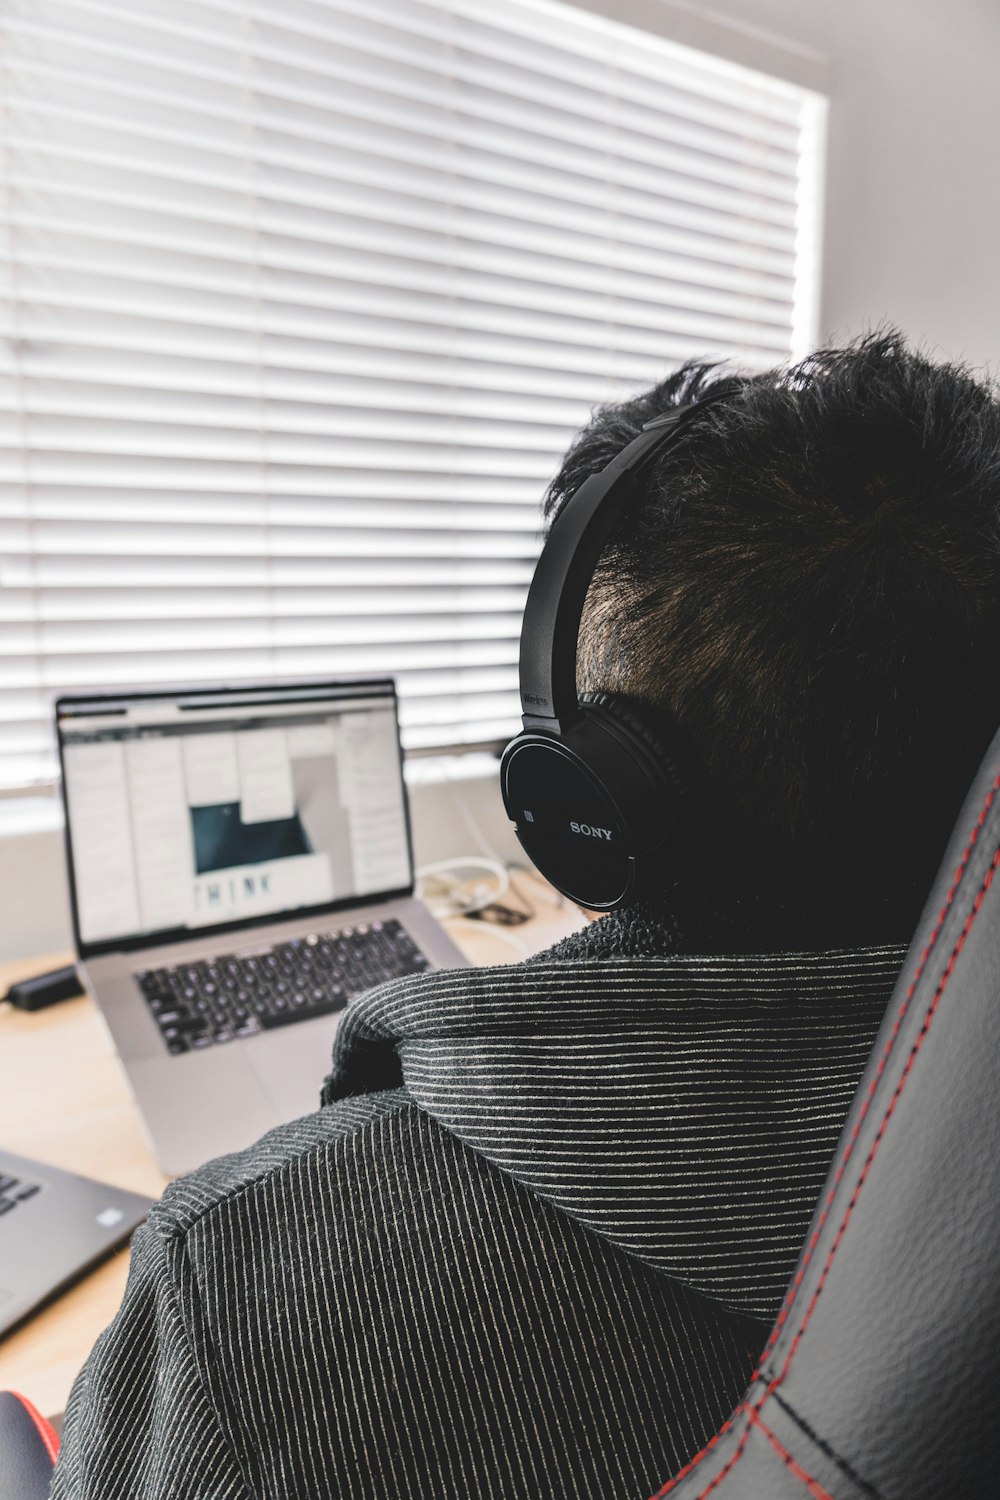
x=881, y=1378
x=28, y=1449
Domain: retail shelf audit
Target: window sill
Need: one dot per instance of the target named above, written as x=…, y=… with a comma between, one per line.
x=35, y=812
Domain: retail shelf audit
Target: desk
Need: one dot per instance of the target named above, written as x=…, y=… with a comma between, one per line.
x=64, y=1100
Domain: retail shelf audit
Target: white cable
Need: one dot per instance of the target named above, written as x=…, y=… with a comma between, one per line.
x=471, y=822
x=460, y=907
x=545, y=891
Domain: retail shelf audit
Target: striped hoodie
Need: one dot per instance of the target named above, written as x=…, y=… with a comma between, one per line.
x=529, y=1246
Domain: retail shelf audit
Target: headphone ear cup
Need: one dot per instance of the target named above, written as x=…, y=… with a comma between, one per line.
x=626, y=712
x=596, y=802
x=654, y=764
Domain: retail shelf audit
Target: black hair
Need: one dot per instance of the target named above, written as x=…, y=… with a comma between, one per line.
x=812, y=587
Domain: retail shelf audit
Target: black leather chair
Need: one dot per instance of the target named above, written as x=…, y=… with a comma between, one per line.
x=881, y=1378
x=28, y=1448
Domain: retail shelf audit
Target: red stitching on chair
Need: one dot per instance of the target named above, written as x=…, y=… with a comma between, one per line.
x=812, y=1485
x=754, y=1419
x=744, y=1406
x=793, y=1289
x=692, y=1463
x=921, y=1038
x=698, y=1458
x=46, y=1431
x=786, y=1306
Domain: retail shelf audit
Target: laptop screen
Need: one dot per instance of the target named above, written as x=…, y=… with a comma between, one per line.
x=209, y=808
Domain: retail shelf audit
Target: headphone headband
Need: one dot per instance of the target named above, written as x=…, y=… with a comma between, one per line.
x=562, y=575
x=594, y=791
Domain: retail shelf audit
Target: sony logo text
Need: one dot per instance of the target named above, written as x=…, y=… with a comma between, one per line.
x=593, y=833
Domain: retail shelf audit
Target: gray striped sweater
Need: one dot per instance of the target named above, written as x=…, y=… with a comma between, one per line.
x=528, y=1247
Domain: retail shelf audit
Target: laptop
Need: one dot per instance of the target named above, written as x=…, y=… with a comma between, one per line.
x=54, y=1226
x=240, y=866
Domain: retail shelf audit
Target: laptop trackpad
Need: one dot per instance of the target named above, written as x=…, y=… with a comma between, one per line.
x=201, y=1105
x=293, y=1063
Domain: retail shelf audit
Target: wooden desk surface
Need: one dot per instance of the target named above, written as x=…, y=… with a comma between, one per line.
x=64, y=1099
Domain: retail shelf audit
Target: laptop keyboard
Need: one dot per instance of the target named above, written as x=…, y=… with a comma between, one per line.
x=14, y=1191
x=209, y=1003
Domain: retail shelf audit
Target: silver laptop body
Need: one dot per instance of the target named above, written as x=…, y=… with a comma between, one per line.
x=221, y=843
x=54, y=1226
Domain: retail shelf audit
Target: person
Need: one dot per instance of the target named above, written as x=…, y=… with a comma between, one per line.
x=532, y=1242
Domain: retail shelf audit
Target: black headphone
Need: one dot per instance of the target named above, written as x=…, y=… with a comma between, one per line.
x=594, y=793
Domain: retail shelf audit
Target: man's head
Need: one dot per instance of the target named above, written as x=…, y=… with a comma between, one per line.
x=812, y=587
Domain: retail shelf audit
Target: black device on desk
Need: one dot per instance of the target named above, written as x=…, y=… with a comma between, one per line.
x=42, y=990
x=54, y=1226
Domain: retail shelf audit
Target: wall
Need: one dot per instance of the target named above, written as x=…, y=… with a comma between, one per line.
x=912, y=212
x=34, y=908
x=912, y=222
x=913, y=208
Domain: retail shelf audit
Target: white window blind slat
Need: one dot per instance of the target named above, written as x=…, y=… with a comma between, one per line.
x=387, y=49
x=55, y=237
x=34, y=578
x=383, y=380
x=140, y=392
x=487, y=326
x=196, y=344
x=301, y=302
x=54, y=78
x=755, y=193
x=295, y=433
x=153, y=501
x=101, y=638
x=370, y=188
x=82, y=608
x=128, y=542
x=61, y=519
x=516, y=217
x=287, y=205
x=519, y=277
x=424, y=131
x=203, y=469
x=766, y=173
x=473, y=362
x=72, y=673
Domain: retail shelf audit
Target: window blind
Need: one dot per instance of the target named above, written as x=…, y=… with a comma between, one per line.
x=304, y=299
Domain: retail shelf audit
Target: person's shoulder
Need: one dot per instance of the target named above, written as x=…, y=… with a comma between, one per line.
x=233, y=1182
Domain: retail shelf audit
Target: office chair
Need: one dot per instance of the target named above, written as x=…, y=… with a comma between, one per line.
x=881, y=1378
x=28, y=1449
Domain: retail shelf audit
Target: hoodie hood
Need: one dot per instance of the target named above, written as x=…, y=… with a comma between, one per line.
x=683, y=1107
